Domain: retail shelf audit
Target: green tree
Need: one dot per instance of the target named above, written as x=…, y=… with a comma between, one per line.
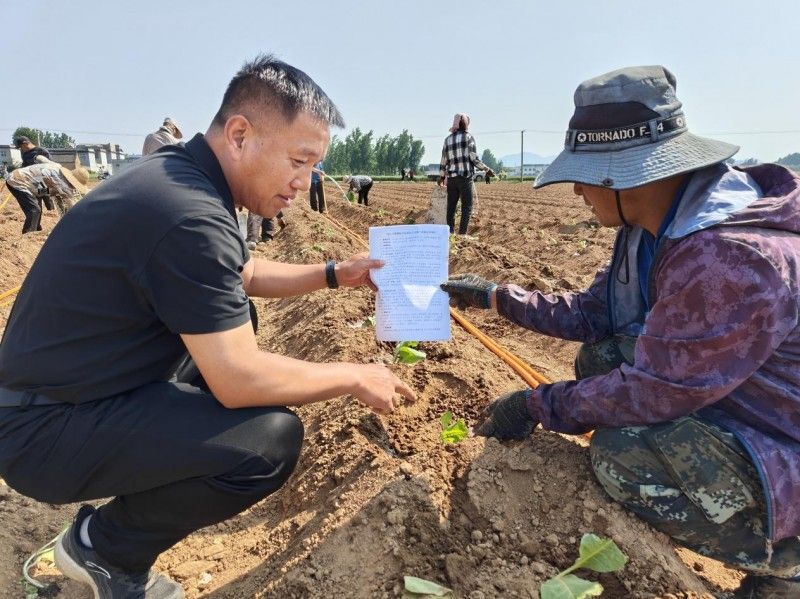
x=790, y=160
x=45, y=139
x=490, y=160
x=416, y=154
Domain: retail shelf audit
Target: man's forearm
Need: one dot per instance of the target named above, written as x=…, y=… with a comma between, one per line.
x=274, y=380
x=279, y=279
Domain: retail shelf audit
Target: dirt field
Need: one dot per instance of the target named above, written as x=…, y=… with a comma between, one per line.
x=377, y=498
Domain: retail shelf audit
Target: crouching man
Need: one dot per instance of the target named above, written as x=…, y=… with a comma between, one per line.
x=690, y=368
x=99, y=396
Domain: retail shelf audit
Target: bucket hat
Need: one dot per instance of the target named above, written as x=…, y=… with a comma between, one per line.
x=628, y=129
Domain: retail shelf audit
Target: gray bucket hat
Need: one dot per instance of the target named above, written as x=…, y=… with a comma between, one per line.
x=628, y=130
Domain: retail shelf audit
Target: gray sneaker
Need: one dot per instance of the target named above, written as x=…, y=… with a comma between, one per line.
x=767, y=587
x=108, y=582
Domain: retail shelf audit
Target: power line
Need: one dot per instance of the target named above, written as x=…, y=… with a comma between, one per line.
x=425, y=136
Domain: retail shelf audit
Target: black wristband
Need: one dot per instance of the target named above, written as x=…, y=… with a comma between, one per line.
x=330, y=274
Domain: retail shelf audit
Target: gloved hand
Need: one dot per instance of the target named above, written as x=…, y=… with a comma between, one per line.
x=490, y=173
x=469, y=290
x=507, y=417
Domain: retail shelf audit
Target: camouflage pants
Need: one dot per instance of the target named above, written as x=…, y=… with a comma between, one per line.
x=689, y=479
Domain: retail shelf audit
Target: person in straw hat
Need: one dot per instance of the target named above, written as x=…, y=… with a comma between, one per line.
x=63, y=187
x=689, y=371
x=168, y=134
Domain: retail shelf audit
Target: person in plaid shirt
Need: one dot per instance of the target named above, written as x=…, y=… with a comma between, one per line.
x=459, y=159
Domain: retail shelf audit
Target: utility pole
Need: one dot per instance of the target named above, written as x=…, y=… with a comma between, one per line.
x=521, y=152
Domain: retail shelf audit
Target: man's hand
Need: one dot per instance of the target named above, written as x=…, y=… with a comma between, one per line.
x=469, y=290
x=355, y=271
x=507, y=417
x=377, y=385
x=489, y=173
x=440, y=181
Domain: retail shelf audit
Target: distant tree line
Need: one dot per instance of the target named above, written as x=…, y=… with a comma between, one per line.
x=45, y=139
x=362, y=153
x=791, y=160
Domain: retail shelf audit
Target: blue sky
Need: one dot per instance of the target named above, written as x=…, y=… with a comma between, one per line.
x=112, y=71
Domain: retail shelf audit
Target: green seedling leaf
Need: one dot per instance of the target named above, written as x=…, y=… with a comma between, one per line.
x=569, y=587
x=600, y=555
x=420, y=586
x=446, y=419
x=453, y=430
x=406, y=354
x=369, y=321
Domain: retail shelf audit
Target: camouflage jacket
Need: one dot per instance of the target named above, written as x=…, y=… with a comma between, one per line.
x=722, y=337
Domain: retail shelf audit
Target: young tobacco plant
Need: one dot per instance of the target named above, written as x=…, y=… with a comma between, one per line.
x=453, y=430
x=599, y=555
x=405, y=353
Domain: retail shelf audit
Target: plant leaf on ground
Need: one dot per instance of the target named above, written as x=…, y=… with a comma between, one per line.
x=599, y=555
x=406, y=354
x=453, y=430
x=420, y=586
x=570, y=587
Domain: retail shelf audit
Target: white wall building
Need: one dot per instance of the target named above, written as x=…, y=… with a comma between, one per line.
x=528, y=170
x=9, y=155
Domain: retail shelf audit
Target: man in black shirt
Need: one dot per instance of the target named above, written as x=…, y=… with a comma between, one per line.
x=101, y=399
x=29, y=151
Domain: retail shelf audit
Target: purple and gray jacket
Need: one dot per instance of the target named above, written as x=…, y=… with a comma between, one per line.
x=721, y=340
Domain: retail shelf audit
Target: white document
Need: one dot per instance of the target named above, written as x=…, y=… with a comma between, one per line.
x=410, y=306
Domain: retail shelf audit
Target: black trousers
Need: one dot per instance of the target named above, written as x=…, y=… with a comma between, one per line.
x=459, y=188
x=260, y=228
x=363, y=194
x=30, y=206
x=174, y=459
x=316, y=195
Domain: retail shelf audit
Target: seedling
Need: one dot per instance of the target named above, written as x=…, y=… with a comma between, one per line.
x=317, y=247
x=409, y=220
x=599, y=555
x=453, y=430
x=406, y=354
x=369, y=321
x=416, y=587
x=381, y=211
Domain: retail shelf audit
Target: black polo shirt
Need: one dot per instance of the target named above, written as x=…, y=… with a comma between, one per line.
x=153, y=252
x=29, y=157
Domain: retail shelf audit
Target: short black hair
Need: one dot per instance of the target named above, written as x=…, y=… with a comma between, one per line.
x=266, y=82
x=21, y=140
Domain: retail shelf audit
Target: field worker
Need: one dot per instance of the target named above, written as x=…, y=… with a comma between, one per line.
x=361, y=184
x=457, y=167
x=168, y=134
x=29, y=150
x=63, y=187
x=690, y=365
x=316, y=195
x=262, y=229
x=135, y=275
